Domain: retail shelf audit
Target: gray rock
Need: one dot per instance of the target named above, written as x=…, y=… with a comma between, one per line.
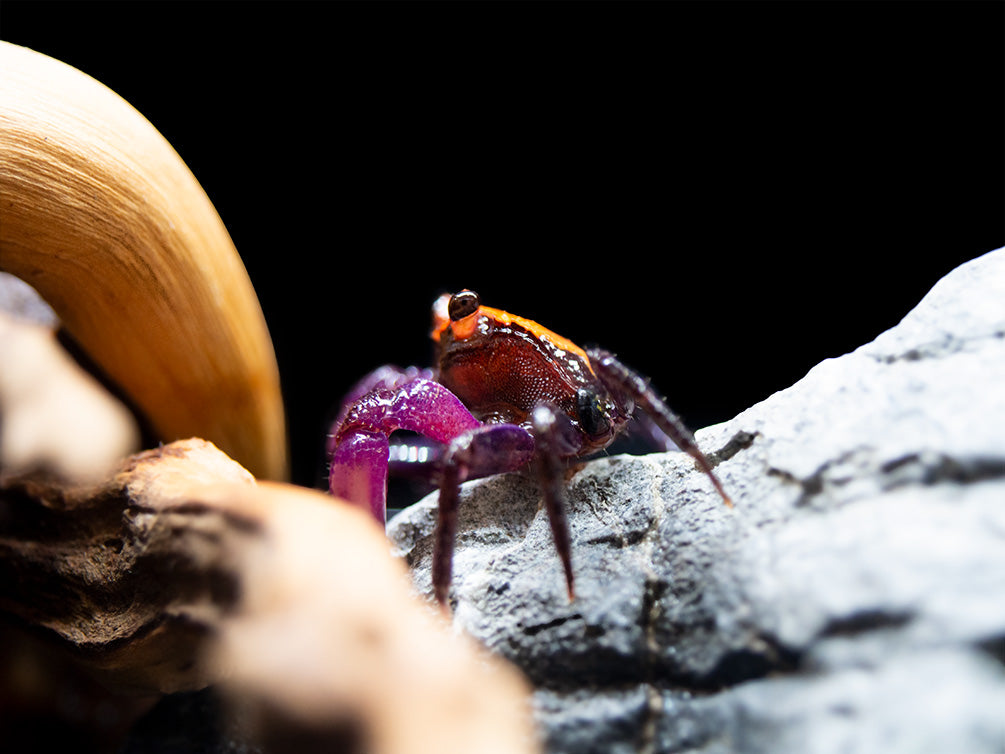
x=852, y=601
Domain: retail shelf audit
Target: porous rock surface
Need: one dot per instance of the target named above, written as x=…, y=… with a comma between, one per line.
x=852, y=601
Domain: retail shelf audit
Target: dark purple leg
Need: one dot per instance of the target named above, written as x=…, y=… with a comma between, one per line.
x=556, y=439
x=446, y=532
x=489, y=449
x=653, y=438
x=623, y=383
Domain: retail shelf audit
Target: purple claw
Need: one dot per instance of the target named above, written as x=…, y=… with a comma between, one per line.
x=388, y=377
x=358, y=471
x=359, y=444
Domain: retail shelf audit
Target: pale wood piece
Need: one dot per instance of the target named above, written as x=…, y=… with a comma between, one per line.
x=53, y=415
x=105, y=220
x=180, y=570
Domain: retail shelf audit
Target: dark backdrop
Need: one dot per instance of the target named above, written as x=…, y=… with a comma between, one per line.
x=724, y=194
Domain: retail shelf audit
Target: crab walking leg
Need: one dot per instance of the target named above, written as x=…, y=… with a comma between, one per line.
x=622, y=381
x=446, y=532
x=359, y=444
x=488, y=449
x=556, y=439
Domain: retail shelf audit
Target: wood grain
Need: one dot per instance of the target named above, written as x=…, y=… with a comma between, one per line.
x=104, y=219
x=180, y=570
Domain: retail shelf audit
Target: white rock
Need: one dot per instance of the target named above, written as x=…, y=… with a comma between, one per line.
x=853, y=600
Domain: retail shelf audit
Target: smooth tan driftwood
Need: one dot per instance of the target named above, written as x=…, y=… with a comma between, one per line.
x=104, y=219
x=180, y=570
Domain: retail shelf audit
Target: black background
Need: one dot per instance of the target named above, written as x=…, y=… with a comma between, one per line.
x=724, y=194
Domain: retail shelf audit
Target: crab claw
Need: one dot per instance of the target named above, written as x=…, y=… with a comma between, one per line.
x=360, y=448
x=358, y=471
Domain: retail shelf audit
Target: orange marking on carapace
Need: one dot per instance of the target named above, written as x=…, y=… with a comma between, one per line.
x=465, y=328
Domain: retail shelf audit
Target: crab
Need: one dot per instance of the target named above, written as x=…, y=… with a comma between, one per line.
x=506, y=393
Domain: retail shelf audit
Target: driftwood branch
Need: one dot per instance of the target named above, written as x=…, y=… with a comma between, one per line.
x=177, y=569
x=180, y=571
x=104, y=219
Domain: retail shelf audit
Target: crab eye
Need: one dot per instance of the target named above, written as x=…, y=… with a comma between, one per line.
x=462, y=305
x=592, y=416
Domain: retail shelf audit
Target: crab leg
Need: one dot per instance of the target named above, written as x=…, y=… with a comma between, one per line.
x=622, y=381
x=556, y=439
x=488, y=449
x=360, y=450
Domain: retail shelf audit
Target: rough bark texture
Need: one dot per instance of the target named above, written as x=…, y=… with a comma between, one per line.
x=180, y=571
x=853, y=600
